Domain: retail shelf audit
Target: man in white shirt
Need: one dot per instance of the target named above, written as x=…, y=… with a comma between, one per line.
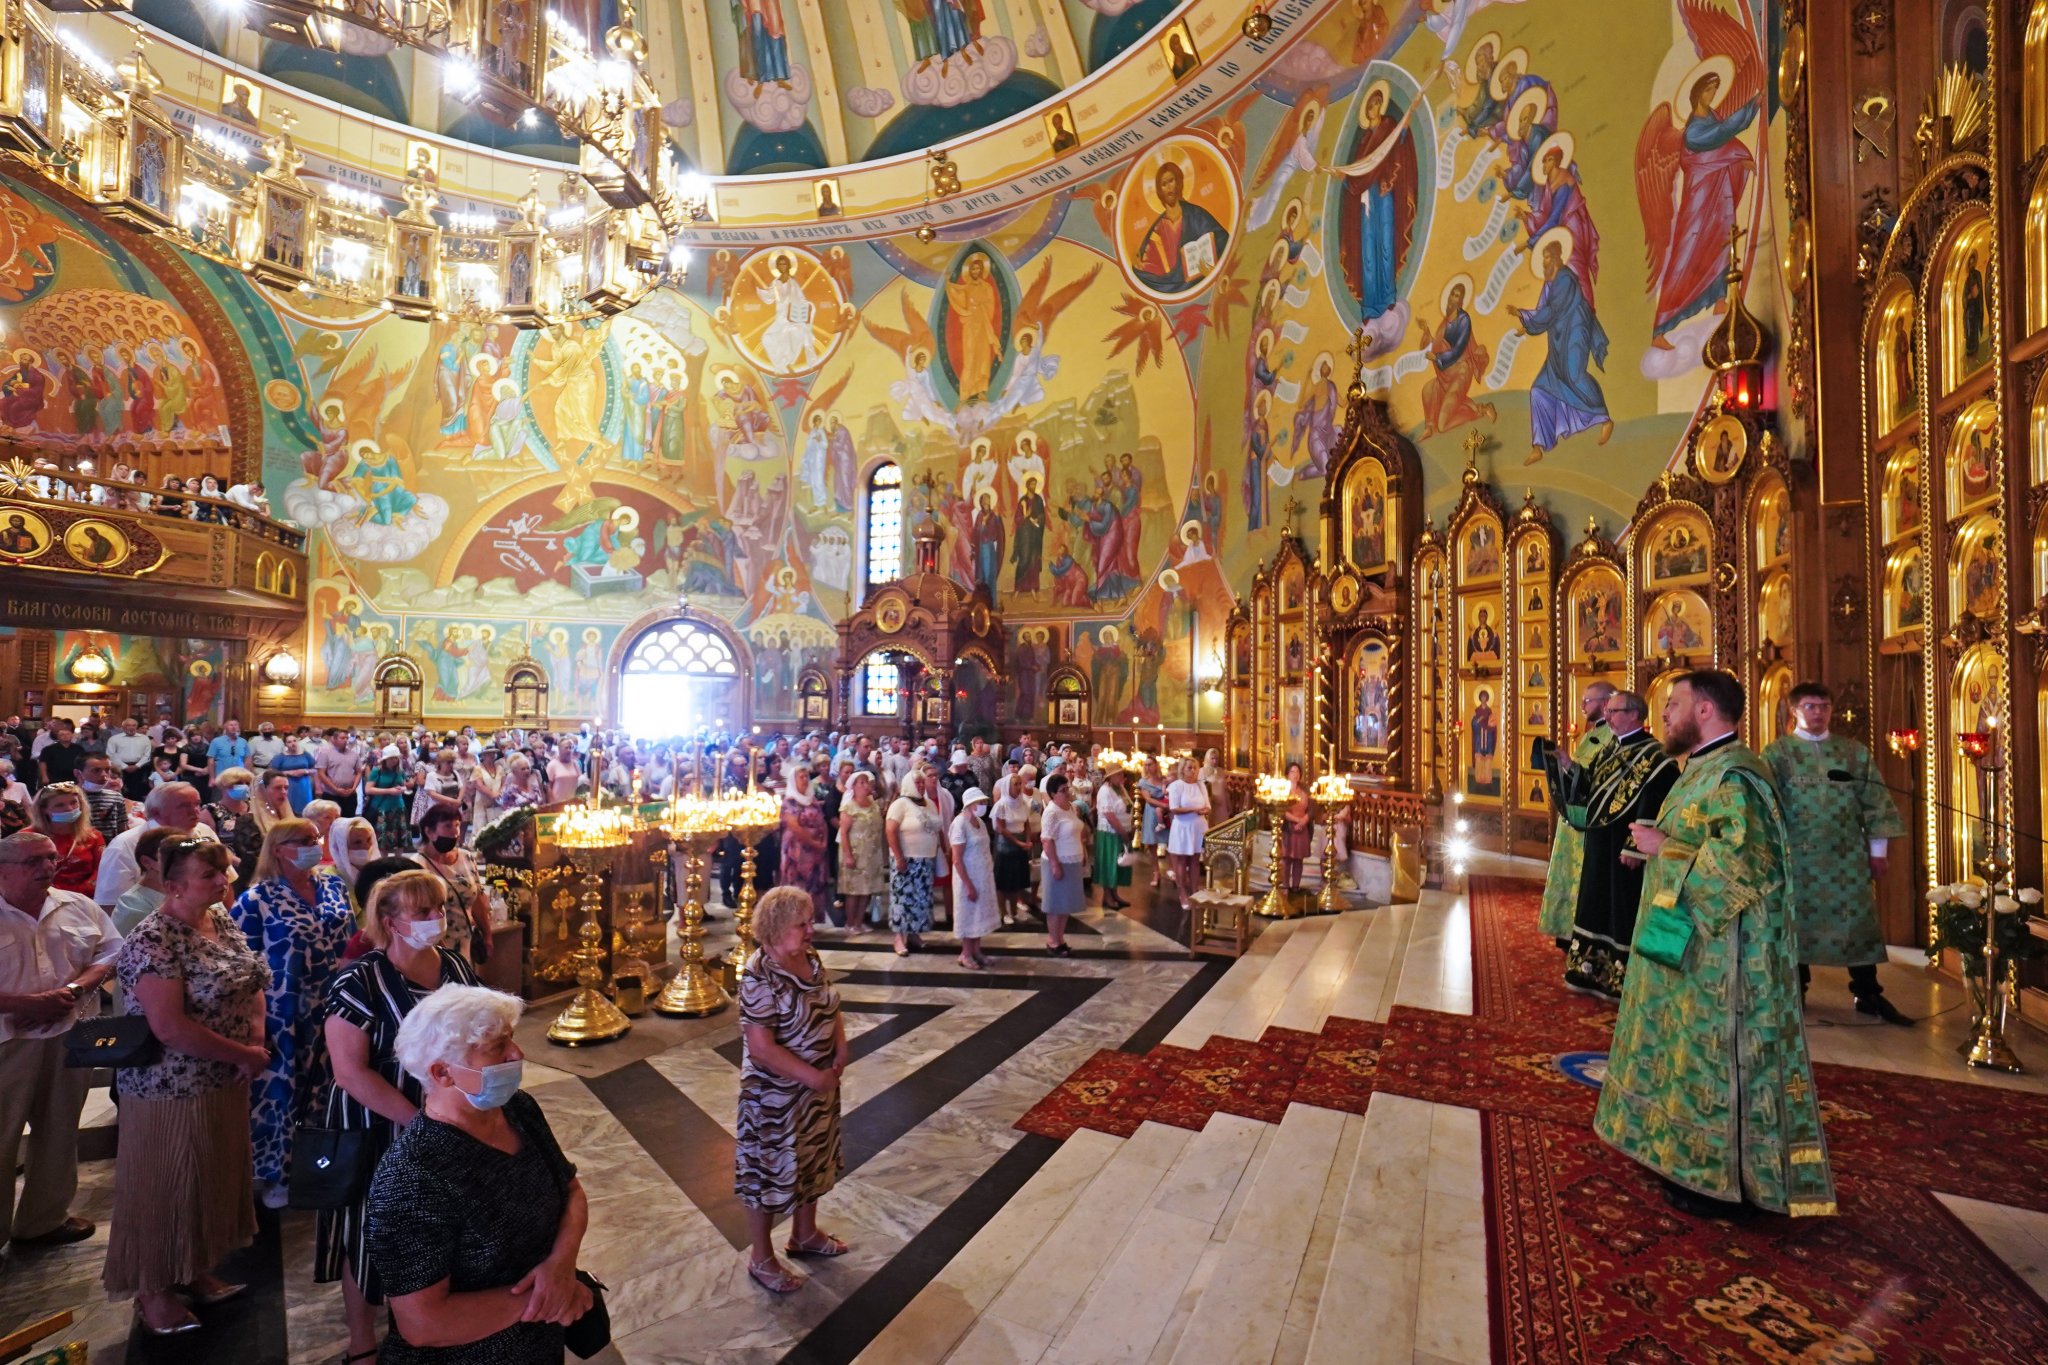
x=174, y=805
x=130, y=751
x=267, y=744
x=56, y=948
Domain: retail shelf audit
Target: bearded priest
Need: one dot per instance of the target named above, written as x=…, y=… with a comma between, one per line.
x=1708, y=1081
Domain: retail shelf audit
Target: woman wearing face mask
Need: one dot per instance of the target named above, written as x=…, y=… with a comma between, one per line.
x=233, y=816
x=564, y=773
x=181, y=1173
x=59, y=812
x=366, y=1003
x=13, y=800
x=297, y=766
x=297, y=922
x=468, y=932
x=474, y=1193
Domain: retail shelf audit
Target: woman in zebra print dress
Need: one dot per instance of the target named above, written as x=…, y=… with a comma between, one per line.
x=788, y=1142
x=365, y=1005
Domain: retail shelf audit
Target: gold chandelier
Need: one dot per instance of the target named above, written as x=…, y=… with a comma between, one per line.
x=99, y=131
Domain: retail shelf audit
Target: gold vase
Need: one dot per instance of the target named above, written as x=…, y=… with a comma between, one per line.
x=693, y=991
x=591, y=1016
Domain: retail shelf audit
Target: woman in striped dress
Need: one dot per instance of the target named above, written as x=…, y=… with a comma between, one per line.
x=365, y=1005
x=787, y=1145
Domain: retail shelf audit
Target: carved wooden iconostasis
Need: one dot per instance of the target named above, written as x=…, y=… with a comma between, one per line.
x=1317, y=669
x=924, y=656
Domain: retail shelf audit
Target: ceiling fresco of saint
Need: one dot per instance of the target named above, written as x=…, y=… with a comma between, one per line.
x=1114, y=393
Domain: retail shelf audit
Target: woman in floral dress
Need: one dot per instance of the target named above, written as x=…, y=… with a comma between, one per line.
x=805, y=862
x=863, y=847
x=296, y=921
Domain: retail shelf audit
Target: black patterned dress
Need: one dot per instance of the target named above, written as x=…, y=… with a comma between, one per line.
x=787, y=1149
x=372, y=994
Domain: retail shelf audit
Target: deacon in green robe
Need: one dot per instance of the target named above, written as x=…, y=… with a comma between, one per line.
x=1708, y=1081
x=1568, y=845
x=1842, y=821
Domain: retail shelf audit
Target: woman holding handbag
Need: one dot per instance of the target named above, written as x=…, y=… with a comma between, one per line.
x=298, y=922
x=475, y=1216
x=181, y=1172
x=1112, y=828
x=372, y=1094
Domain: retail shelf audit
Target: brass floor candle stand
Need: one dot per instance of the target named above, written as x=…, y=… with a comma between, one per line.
x=696, y=826
x=591, y=837
x=755, y=816
x=1331, y=794
x=1276, y=794
x=1989, y=1050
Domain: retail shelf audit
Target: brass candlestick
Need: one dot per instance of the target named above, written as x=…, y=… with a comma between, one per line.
x=1330, y=793
x=755, y=815
x=591, y=836
x=693, y=990
x=1276, y=794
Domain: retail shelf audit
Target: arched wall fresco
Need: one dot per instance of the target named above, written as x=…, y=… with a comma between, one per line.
x=1114, y=411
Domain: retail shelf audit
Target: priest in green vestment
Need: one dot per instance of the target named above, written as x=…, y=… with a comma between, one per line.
x=1568, y=845
x=1708, y=1082
x=1842, y=821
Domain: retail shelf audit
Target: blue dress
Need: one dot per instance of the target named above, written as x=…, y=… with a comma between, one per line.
x=302, y=945
x=300, y=768
x=1149, y=832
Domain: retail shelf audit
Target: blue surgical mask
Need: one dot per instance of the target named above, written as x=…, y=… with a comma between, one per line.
x=90, y=787
x=305, y=857
x=238, y=792
x=501, y=1083
x=63, y=817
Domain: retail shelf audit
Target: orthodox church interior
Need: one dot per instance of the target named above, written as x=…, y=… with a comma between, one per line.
x=1487, y=688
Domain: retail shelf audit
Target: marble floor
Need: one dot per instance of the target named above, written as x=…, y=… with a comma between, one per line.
x=1323, y=1238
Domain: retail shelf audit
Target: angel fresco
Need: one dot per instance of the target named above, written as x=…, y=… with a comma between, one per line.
x=1447, y=18
x=1692, y=169
x=1284, y=157
x=1376, y=224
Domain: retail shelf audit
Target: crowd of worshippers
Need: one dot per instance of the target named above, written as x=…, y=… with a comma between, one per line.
x=1697, y=883
x=125, y=488
x=300, y=978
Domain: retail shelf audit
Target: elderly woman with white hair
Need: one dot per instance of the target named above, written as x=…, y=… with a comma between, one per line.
x=475, y=1216
x=786, y=1148
x=914, y=827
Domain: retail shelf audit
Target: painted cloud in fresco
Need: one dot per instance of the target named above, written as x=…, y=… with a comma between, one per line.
x=869, y=101
x=1039, y=43
x=773, y=107
x=678, y=113
x=354, y=528
x=968, y=74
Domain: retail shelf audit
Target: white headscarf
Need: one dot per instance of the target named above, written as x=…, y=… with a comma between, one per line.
x=910, y=786
x=337, y=846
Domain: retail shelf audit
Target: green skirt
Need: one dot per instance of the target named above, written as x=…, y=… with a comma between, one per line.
x=1109, y=847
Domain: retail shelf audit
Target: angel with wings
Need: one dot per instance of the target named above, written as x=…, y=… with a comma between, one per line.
x=1285, y=157
x=1031, y=369
x=917, y=346
x=1692, y=169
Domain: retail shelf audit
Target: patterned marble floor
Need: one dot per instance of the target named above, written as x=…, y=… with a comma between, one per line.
x=945, y=1060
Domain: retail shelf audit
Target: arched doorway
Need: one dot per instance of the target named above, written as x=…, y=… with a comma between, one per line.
x=679, y=675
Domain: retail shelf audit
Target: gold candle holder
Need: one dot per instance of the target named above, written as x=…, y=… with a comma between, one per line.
x=755, y=815
x=1276, y=794
x=591, y=836
x=695, y=825
x=1330, y=793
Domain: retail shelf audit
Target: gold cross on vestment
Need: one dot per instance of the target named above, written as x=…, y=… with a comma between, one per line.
x=1795, y=1089
x=1692, y=819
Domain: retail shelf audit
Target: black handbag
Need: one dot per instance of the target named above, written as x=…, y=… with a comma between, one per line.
x=114, y=1040
x=330, y=1167
x=592, y=1332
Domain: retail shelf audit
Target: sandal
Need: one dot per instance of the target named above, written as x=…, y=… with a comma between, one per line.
x=823, y=1245
x=773, y=1278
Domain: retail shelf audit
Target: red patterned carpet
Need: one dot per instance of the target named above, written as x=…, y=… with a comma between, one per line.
x=1587, y=1261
